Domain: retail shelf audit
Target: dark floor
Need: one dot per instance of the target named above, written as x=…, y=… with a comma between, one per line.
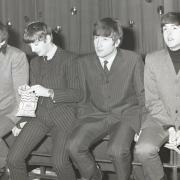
x=5, y=177
x=112, y=176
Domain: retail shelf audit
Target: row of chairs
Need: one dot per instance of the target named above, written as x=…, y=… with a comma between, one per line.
x=170, y=158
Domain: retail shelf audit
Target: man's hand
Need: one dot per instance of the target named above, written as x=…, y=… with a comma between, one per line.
x=136, y=137
x=16, y=130
x=23, y=88
x=174, y=140
x=172, y=136
x=39, y=90
x=178, y=138
x=172, y=147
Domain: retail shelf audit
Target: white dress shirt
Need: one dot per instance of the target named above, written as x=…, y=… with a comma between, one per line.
x=110, y=60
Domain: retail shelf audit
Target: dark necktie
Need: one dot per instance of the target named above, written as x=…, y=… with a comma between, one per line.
x=106, y=70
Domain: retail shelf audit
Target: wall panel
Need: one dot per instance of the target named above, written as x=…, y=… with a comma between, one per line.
x=76, y=34
x=16, y=11
x=173, y=5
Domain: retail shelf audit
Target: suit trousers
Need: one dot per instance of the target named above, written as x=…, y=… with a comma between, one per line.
x=30, y=136
x=88, y=132
x=147, y=151
x=6, y=126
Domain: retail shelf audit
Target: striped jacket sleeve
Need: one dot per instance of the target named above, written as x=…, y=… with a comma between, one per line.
x=72, y=93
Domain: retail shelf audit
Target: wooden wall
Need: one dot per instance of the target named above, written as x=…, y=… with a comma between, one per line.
x=143, y=35
x=172, y=5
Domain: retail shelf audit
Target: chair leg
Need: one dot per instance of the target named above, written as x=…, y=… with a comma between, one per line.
x=42, y=170
x=174, y=173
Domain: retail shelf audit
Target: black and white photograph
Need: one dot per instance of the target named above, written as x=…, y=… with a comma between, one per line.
x=90, y=89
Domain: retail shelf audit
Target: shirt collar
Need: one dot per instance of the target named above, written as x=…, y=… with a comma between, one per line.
x=110, y=60
x=52, y=52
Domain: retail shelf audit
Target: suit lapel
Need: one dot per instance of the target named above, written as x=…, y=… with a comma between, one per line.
x=98, y=64
x=116, y=63
x=171, y=76
x=169, y=67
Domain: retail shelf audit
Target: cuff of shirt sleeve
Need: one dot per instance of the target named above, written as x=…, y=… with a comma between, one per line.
x=59, y=95
x=51, y=94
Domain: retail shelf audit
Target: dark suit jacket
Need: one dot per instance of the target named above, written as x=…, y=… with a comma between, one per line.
x=14, y=70
x=120, y=95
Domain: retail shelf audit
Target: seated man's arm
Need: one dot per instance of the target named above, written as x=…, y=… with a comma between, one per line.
x=20, y=76
x=73, y=92
x=154, y=103
x=139, y=84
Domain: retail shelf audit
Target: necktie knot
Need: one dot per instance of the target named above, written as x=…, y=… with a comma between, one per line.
x=105, y=63
x=106, y=70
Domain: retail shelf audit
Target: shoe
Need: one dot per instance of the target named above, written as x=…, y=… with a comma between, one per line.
x=164, y=178
x=98, y=175
x=48, y=172
x=2, y=171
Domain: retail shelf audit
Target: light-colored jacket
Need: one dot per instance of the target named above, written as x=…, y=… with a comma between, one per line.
x=14, y=71
x=162, y=89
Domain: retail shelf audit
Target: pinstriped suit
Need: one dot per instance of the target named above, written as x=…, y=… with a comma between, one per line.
x=57, y=116
x=113, y=104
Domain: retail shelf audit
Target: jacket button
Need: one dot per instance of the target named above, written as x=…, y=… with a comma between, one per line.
x=176, y=111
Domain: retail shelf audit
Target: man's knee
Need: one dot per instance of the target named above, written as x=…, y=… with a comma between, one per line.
x=118, y=152
x=59, y=163
x=73, y=145
x=14, y=159
x=145, y=151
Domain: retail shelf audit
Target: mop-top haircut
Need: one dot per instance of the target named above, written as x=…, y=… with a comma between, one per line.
x=170, y=18
x=3, y=33
x=36, y=31
x=108, y=27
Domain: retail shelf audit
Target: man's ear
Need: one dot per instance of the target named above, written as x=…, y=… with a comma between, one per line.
x=117, y=42
x=48, y=38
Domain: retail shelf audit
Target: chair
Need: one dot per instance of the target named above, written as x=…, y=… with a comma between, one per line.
x=170, y=159
x=171, y=162
x=103, y=161
x=41, y=158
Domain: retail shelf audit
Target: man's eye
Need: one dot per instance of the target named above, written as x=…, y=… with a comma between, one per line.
x=36, y=44
x=105, y=38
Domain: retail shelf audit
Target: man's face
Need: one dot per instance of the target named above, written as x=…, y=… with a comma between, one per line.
x=104, y=46
x=171, y=33
x=39, y=47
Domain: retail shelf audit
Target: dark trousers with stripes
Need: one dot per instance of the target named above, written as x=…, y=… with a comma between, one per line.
x=89, y=132
x=31, y=135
